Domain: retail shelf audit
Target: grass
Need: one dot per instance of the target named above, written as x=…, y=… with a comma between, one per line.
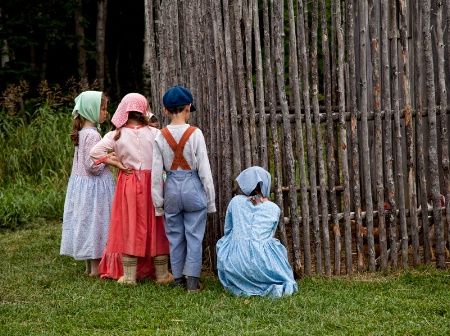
x=44, y=293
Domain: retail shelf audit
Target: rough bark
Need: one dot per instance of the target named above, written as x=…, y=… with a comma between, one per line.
x=231, y=89
x=433, y=151
x=410, y=155
x=376, y=91
x=79, y=32
x=102, y=6
x=260, y=89
x=343, y=125
x=271, y=100
x=330, y=138
x=289, y=154
x=443, y=108
x=237, y=6
x=386, y=102
x=303, y=38
x=365, y=135
x=319, y=139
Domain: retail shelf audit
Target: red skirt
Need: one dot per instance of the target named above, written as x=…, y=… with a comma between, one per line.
x=134, y=228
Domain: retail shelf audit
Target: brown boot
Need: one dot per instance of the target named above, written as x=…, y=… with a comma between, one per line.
x=129, y=270
x=163, y=277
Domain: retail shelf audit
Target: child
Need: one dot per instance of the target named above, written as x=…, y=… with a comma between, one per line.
x=249, y=260
x=137, y=243
x=91, y=187
x=188, y=193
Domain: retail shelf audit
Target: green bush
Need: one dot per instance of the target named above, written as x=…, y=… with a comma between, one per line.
x=35, y=165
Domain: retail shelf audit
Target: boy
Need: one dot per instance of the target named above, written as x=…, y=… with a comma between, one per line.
x=188, y=194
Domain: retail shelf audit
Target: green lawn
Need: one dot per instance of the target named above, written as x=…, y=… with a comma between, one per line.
x=44, y=293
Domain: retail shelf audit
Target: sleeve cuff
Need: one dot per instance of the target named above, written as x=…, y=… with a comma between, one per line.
x=211, y=208
x=159, y=211
x=101, y=160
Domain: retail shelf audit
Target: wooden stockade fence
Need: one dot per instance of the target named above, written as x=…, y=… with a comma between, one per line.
x=344, y=102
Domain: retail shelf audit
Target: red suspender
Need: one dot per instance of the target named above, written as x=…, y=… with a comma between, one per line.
x=178, y=148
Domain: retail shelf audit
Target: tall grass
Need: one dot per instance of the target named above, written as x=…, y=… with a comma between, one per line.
x=35, y=164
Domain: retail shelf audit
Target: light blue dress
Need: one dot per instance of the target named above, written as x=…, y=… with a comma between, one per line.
x=250, y=261
x=88, y=203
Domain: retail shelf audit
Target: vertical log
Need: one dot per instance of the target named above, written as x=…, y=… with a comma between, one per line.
x=365, y=135
x=241, y=82
x=343, y=130
x=213, y=123
x=302, y=37
x=386, y=101
x=433, y=153
x=162, y=34
x=319, y=140
x=260, y=89
x=278, y=30
x=376, y=90
x=409, y=143
x=354, y=134
x=247, y=17
x=418, y=78
x=443, y=107
x=269, y=80
x=397, y=137
x=330, y=138
x=231, y=89
x=224, y=118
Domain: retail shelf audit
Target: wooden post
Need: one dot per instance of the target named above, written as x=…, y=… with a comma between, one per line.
x=376, y=90
x=247, y=17
x=237, y=5
x=410, y=156
x=365, y=134
x=263, y=153
x=354, y=134
x=269, y=80
x=398, y=159
x=386, y=102
x=431, y=104
x=443, y=107
x=330, y=138
x=318, y=128
x=278, y=27
x=236, y=144
x=309, y=141
x=343, y=131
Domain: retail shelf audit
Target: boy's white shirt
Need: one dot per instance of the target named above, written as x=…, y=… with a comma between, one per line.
x=196, y=156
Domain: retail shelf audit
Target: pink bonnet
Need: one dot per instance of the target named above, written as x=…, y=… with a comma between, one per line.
x=131, y=102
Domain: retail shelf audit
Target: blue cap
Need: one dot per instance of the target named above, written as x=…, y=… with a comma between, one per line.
x=178, y=96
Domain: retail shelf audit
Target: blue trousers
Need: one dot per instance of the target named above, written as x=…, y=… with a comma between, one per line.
x=185, y=209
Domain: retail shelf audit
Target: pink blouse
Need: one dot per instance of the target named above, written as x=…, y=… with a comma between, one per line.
x=134, y=148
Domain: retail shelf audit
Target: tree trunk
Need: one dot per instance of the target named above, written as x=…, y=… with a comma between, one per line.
x=79, y=32
x=102, y=6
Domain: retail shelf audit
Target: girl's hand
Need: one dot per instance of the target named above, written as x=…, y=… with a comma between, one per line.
x=123, y=169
